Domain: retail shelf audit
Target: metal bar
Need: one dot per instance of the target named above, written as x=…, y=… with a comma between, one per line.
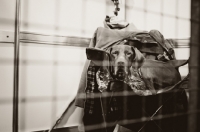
x=194, y=85
x=36, y=38
x=16, y=67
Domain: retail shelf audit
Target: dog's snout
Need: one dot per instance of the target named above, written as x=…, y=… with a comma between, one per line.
x=120, y=63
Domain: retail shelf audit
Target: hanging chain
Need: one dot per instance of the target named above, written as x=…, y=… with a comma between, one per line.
x=116, y=3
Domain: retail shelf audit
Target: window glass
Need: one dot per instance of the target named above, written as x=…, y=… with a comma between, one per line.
x=169, y=7
x=137, y=3
x=184, y=8
x=169, y=27
x=153, y=5
x=183, y=28
x=137, y=17
x=153, y=21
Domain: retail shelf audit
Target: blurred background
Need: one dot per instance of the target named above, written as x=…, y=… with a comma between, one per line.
x=50, y=70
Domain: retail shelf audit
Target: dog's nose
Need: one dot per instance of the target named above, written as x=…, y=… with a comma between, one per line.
x=120, y=63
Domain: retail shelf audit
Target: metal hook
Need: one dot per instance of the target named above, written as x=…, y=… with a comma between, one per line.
x=116, y=3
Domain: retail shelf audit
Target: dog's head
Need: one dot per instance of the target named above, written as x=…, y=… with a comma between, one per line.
x=123, y=57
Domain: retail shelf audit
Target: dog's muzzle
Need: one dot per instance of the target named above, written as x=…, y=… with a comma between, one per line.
x=120, y=74
x=120, y=71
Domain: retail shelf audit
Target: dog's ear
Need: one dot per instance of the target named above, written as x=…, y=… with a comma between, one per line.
x=138, y=59
x=109, y=50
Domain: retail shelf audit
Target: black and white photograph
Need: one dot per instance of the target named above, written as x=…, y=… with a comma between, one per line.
x=99, y=66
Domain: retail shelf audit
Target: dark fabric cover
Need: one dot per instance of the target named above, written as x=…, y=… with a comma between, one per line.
x=164, y=112
x=104, y=38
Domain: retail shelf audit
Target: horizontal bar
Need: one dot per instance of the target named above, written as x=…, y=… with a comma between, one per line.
x=41, y=62
x=36, y=38
x=28, y=37
x=36, y=99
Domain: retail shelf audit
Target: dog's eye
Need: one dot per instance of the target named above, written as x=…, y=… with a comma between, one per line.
x=128, y=53
x=115, y=52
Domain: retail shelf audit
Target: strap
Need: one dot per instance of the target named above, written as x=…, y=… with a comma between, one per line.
x=167, y=89
x=159, y=38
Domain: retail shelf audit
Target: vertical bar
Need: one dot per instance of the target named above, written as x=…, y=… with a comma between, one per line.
x=16, y=67
x=194, y=95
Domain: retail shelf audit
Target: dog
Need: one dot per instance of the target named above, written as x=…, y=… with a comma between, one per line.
x=157, y=75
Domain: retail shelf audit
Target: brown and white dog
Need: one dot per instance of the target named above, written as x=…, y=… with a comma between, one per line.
x=156, y=74
x=126, y=60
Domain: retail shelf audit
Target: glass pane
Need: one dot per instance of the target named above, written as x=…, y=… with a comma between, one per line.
x=184, y=8
x=94, y=14
x=70, y=17
x=137, y=18
x=153, y=21
x=169, y=7
x=154, y=5
x=6, y=71
x=7, y=15
x=34, y=111
x=38, y=16
x=6, y=117
x=183, y=28
x=137, y=3
x=169, y=27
